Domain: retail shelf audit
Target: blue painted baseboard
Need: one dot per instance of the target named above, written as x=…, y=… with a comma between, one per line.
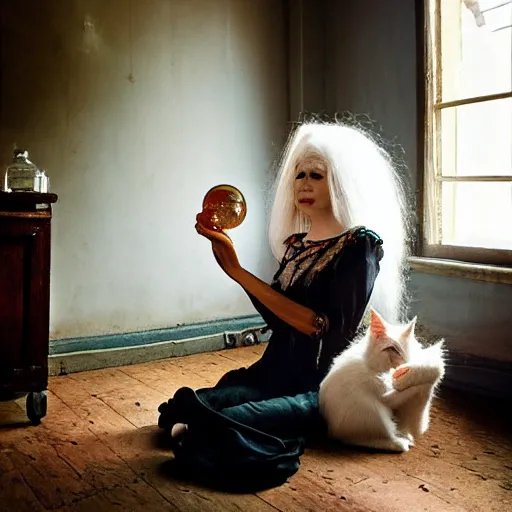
x=479, y=375
x=144, y=338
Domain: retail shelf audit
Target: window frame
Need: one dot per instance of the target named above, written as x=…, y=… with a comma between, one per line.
x=429, y=182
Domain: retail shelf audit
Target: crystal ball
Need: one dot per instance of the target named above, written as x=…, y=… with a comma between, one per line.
x=224, y=207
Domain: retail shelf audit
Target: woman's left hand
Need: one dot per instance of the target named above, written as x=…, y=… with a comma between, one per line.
x=222, y=246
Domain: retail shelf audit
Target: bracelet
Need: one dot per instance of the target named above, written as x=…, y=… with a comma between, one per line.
x=321, y=326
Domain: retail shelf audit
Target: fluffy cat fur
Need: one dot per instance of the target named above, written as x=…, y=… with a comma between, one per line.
x=378, y=391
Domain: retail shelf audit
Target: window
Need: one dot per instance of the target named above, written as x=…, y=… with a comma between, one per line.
x=468, y=131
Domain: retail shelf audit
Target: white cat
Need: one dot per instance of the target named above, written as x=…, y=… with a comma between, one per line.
x=378, y=391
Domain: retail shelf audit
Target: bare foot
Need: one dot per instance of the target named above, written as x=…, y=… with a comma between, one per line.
x=178, y=428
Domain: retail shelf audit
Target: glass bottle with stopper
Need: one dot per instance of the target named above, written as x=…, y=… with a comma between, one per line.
x=224, y=207
x=24, y=176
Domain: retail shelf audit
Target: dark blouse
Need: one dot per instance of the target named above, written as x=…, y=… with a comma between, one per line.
x=333, y=277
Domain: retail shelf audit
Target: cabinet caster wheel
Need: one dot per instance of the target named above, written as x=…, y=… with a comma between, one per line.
x=36, y=406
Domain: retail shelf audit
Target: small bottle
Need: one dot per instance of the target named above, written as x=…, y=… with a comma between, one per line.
x=42, y=182
x=24, y=176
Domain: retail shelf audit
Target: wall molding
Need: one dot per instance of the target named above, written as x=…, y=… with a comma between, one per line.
x=148, y=337
x=95, y=352
x=467, y=372
x=486, y=377
x=463, y=270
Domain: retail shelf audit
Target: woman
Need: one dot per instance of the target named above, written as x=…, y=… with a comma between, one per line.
x=333, y=180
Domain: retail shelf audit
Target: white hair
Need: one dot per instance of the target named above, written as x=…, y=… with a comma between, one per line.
x=365, y=191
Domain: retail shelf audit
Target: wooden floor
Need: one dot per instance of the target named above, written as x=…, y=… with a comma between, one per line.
x=96, y=451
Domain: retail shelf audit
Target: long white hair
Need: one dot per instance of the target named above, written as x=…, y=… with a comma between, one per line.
x=365, y=191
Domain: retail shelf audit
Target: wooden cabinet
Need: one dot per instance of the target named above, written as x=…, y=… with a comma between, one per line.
x=25, y=229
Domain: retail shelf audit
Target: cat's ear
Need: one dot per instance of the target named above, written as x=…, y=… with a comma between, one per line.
x=377, y=324
x=409, y=330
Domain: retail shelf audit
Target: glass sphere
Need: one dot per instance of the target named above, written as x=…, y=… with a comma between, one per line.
x=224, y=207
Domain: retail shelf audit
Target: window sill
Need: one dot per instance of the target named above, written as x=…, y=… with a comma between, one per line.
x=463, y=270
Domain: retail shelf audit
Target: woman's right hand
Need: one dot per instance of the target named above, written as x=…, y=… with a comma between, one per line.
x=222, y=246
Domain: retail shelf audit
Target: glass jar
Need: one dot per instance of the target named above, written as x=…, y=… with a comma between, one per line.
x=24, y=176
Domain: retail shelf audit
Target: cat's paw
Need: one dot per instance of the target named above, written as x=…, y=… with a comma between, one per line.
x=409, y=437
x=406, y=443
x=400, y=444
x=402, y=370
x=409, y=375
x=402, y=378
x=395, y=444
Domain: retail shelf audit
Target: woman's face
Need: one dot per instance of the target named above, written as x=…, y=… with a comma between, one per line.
x=311, y=187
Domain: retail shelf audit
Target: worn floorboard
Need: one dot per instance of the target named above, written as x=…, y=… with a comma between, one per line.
x=98, y=449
